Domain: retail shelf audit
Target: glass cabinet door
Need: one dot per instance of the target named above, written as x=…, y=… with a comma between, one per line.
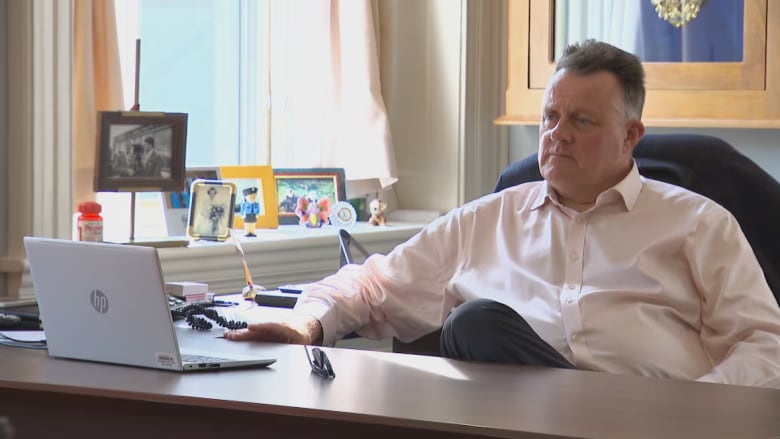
x=657, y=30
x=708, y=62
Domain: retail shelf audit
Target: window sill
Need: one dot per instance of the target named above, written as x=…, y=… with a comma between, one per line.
x=289, y=254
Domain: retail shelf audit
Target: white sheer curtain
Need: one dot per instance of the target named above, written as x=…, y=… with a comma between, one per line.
x=326, y=105
x=612, y=21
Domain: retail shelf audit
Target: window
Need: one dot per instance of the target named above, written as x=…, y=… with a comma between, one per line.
x=292, y=84
x=207, y=58
x=264, y=82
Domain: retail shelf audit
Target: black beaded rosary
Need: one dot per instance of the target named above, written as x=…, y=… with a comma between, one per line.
x=192, y=312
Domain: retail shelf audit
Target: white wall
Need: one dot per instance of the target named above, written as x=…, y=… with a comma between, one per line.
x=420, y=57
x=444, y=81
x=762, y=146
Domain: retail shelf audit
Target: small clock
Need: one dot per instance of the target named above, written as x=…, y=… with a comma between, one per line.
x=343, y=215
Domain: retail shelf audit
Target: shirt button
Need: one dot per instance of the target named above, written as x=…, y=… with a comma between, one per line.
x=569, y=300
x=570, y=286
x=580, y=220
x=574, y=256
x=575, y=336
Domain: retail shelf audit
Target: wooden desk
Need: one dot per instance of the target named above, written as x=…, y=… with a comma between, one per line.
x=375, y=393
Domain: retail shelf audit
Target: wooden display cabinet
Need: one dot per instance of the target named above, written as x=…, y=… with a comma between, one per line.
x=742, y=94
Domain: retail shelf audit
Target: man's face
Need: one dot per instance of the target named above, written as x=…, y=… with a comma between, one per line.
x=585, y=139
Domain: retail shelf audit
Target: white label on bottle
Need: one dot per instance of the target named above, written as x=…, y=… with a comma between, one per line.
x=91, y=231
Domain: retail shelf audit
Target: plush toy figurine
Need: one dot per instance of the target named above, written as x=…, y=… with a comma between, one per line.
x=377, y=209
x=313, y=212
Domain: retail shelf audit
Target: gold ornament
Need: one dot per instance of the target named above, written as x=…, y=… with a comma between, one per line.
x=678, y=12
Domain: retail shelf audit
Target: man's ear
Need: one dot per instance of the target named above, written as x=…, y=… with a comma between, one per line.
x=635, y=129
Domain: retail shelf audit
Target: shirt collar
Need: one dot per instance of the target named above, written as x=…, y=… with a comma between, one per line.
x=626, y=190
x=545, y=193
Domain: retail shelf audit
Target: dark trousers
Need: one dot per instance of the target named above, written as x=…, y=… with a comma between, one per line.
x=486, y=330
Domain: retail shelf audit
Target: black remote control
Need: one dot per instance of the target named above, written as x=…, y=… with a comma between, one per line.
x=276, y=299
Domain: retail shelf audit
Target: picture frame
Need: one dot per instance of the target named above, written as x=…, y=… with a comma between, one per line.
x=140, y=151
x=292, y=183
x=211, y=206
x=181, y=199
x=260, y=177
x=177, y=204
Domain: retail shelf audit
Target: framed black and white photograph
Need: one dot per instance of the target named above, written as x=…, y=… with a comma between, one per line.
x=140, y=151
x=177, y=204
x=296, y=187
x=211, y=209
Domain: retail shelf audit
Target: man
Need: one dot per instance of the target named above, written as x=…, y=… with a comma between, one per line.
x=153, y=163
x=119, y=162
x=136, y=160
x=594, y=268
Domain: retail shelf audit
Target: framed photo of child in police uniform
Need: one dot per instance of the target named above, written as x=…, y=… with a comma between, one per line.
x=260, y=180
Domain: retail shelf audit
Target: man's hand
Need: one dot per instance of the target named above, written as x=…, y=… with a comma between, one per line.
x=296, y=330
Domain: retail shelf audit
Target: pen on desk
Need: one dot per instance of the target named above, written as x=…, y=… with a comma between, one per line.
x=237, y=245
x=250, y=289
x=225, y=303
x=247, y=276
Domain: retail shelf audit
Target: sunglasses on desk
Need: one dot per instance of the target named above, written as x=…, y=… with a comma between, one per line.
x=319, y=362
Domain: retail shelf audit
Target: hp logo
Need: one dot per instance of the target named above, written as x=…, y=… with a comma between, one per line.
x=99, y=301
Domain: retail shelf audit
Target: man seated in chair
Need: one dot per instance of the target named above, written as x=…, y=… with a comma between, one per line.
x=594, y=268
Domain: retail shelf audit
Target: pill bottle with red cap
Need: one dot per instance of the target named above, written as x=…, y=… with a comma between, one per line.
x=90, y=223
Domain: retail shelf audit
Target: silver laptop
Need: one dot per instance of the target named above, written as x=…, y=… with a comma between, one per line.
x=107, y=302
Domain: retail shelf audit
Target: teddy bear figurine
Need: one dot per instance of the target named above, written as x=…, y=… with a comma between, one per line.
x=377, y=209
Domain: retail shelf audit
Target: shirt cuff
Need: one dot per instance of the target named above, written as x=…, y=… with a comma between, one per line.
x=321, y=312
x=714, y=376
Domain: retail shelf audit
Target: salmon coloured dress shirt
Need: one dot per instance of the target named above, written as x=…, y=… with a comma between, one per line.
x=653, y=280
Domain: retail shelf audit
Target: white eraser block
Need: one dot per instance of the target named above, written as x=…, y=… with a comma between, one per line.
x=184, y=289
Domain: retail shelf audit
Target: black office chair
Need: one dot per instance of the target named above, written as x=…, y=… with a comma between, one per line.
x=703, y=164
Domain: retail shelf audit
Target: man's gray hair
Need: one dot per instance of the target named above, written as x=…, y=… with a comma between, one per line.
x=593, y=56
